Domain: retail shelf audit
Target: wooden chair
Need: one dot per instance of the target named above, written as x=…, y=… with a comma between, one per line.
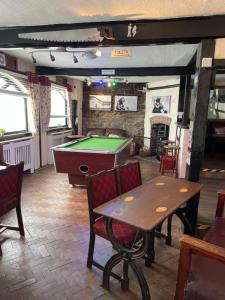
x=201, y=267
x=10, y=195
x=129, y=176
x=101, y=188
x=169, y=160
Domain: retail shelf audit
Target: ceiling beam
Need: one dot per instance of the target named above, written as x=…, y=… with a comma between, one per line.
x=150, y=71
x=141, y=32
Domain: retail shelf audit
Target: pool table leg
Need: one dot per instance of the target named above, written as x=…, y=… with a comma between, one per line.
x=77, y=180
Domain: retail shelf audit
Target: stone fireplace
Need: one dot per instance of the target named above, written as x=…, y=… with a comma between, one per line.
x=160, y=126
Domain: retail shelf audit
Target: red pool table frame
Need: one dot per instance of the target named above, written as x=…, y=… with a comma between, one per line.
x=73, y=161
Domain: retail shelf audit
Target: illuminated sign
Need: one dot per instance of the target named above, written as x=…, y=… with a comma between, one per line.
x=121, y=53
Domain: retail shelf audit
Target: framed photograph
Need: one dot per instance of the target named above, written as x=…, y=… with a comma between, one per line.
x=161, y=104
x=100, y=102
x=126, y=103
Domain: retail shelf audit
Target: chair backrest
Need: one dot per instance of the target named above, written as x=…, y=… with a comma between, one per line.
x=10, y=187
x=101, y=188
x=129, y=176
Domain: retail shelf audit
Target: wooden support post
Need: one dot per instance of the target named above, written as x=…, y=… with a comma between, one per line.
x=202, y=85
x=181, y=93
x=187, y=99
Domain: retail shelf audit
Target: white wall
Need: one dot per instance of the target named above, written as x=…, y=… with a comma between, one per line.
x=174, y=93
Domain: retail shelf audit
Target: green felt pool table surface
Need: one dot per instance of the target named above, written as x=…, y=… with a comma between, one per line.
x=98, y=143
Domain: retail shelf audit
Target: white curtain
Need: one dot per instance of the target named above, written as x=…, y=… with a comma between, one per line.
x=45, y=102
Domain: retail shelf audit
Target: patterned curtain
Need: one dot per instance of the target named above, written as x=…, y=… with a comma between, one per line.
x=69, y=90
x=45, y=100
x=33, y=83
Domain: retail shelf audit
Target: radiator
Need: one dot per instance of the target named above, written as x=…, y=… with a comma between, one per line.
x=15, y=152
x=54, y=140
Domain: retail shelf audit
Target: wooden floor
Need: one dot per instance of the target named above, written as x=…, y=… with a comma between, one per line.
x=50, y=262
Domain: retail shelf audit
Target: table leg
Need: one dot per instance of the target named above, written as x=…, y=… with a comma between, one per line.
x=150, y=253
x=129, y=255
x=191, y=213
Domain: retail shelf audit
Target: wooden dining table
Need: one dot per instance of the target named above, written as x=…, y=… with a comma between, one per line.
x=145, y=207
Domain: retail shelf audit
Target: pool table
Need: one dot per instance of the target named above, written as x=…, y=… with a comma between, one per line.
x=90, y=155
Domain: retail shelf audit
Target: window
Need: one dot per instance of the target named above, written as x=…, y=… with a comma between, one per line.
x=13, y=105
x=59, y=108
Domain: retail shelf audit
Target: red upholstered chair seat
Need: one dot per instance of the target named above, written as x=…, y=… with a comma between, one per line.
x=123, y=232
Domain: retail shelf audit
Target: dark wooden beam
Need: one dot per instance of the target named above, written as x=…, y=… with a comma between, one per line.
x=139, y=32
x=156, y=71
x=202, y=84
x=181, y=93
x=187, y=100
x=219, y=63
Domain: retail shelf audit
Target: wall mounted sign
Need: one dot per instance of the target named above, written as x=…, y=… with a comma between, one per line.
x=122, y=52
x=126, y=103
x=131, y=30
x=206, y=62
x=100, y=102
x=108, y=72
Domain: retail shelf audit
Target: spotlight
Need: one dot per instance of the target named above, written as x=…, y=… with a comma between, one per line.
x=109, y=84
x=52, y=57
x=75, y=60
x=98, y=52
x=33, y=58
x=101, y=82
x=89, y=82
x=114, y=83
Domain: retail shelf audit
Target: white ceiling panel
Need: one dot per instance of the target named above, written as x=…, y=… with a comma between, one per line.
x=142, y=56
x=33, y=12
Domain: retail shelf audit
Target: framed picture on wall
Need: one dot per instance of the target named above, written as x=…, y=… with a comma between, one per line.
x=161, y=104
x=100, y=102
x=126, y=103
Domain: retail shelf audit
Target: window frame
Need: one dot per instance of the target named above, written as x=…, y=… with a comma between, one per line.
x=60, y=89
x=21, y=92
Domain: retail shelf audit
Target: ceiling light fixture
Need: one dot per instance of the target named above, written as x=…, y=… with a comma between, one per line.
x=52, y=57
x=75, y=60
x=98, y=52
x=33, y=58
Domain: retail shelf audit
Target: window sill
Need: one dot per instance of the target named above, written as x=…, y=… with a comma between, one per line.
x=59, y=131
x=15, y=138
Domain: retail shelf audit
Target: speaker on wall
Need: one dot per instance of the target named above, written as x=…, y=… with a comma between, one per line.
x=74, y=117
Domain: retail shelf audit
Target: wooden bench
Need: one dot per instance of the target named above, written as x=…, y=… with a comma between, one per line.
x=201, y=271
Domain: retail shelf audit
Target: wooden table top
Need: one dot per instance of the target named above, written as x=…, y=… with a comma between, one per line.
x=149, y=204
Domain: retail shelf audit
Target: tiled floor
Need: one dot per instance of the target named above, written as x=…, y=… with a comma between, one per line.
x=50, y=263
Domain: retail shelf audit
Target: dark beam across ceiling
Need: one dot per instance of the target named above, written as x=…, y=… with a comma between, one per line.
x=150, y=71
x=186, y=30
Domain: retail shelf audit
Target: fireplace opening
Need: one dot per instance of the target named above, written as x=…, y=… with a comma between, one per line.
x=159, y=132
